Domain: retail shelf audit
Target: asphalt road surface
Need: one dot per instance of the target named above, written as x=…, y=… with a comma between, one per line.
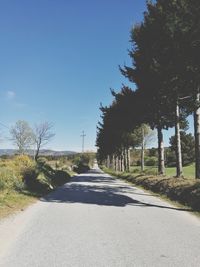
x=98, y=221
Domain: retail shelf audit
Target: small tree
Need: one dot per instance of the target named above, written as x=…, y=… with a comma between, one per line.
x=22, y=136
x=187, y=146
x=42, y=135
x=147, y=135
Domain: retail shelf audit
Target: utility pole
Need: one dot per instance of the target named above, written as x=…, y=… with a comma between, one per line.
x=83, y=135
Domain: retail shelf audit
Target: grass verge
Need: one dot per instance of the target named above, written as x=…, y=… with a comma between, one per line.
x=12, y=201
x=23, y=181
x=188, y=171
x=181, y=190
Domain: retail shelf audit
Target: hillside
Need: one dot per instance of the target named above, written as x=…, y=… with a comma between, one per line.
x=44, y=152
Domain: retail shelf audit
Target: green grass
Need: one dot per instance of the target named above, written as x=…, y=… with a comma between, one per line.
x=188, y=171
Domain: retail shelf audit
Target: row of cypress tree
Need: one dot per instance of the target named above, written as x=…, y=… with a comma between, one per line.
x=165, y=67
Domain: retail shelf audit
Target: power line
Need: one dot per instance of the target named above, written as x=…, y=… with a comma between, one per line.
x=4, y=126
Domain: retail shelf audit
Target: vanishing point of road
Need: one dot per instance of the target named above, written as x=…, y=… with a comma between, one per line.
x=99, y=221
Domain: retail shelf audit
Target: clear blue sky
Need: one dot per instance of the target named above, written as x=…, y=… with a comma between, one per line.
x=58, y=60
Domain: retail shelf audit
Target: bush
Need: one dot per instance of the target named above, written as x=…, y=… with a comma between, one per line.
x=151, y=161
x=18, y=185
x=33, y=182
x=7, y=178
x=60, y=178
x=21, y=172
x=151, y=171
x=81, y=168
x=136, y=170
x=171, y=164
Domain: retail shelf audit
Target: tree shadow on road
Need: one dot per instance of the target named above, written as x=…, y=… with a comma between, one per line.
x=97, y=194
x=94, y=176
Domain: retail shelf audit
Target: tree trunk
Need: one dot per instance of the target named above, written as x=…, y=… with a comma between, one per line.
x=108, y=162
x=124, y=159
x=115, y=162
x=161, y=155
x=128, y=159
x=142, y=152
x=179, y=167
x=197, y=138
x=37, y=151
x=119, y=163
x=36, y=154
x=122, y=162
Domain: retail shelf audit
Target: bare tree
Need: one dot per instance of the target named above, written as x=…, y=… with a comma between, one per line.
x=22, y=136
x=42, y=135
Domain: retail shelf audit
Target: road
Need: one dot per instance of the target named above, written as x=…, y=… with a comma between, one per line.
x=96, y=220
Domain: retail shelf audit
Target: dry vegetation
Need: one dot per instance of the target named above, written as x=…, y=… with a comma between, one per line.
x=22, y=180
x=185, y=191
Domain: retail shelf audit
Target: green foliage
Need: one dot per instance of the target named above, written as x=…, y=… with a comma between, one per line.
x=170, y=158
x=60, y=178
x=135, y=156
x=165, y=68
x=84, y=159
x=82, y=162
x=11, y=172
x=187, y=146
x=32, y=182
x=153, y=152
x=151, y=161
x=22, y=173
x=6, y=179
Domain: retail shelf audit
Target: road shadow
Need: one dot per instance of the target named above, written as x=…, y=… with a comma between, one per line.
x=96, y=194
x=101, y=178
x=95, y=171
x=91, y=179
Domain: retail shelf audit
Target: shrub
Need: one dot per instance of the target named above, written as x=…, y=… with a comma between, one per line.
x=60, y=178
x=136, y=170
x=21, y=172
x=151, y=171
x=7, y=178
x=18, y=184
x=81, y=168
x=151, y=161
x=32, y=181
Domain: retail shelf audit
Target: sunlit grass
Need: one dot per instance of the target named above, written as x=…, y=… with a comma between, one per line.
x=11, y=201
x=41, y=178
x=188, y=171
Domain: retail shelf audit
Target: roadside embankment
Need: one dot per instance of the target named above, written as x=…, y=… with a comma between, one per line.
x=184, y=191
x=23, y=181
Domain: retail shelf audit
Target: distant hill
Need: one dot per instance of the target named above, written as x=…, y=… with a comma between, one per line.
x=43, y=152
